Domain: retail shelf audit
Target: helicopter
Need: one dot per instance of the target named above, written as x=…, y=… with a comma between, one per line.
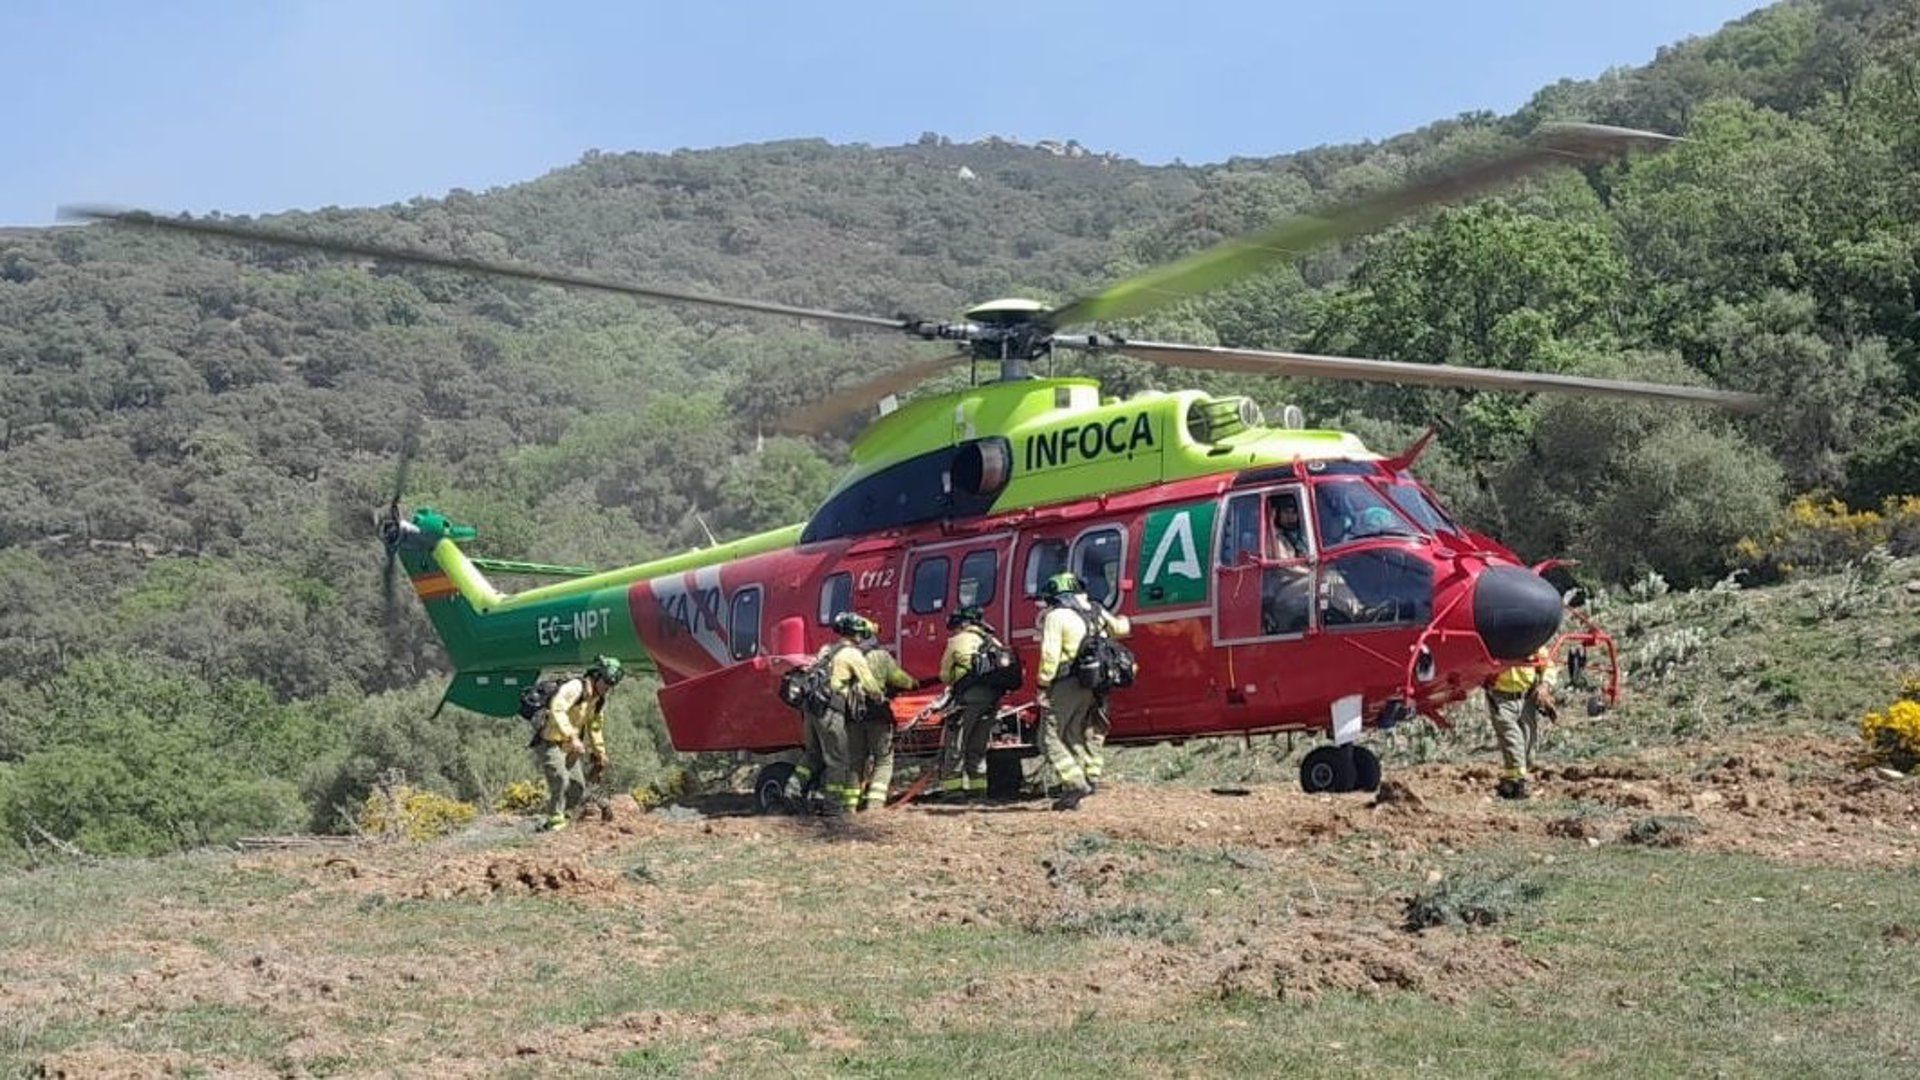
x=1371, y=606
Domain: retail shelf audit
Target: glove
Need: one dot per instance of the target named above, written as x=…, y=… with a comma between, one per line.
x=574, y=747
x=1040, y=700
x=1543, y=702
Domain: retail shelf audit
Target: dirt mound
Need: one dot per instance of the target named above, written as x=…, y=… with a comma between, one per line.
x=514, y=875
x=1304, y=964
x=90, y=1062
x=724, y=1037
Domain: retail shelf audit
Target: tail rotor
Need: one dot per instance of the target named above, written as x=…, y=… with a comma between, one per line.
x=393, y=530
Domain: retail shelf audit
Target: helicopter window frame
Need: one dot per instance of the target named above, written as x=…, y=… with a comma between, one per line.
x=917, y=600
x=1111, y=598
x=836, y=596
x=1044, y=544
x=988, y=583
x=745, y=646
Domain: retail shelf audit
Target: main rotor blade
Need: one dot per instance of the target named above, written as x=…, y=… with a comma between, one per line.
x=1354, y=369
x=1235, y=259
x=849, y=401
x=232, y=230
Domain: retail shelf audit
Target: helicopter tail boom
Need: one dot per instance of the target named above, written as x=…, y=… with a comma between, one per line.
x=500, y=643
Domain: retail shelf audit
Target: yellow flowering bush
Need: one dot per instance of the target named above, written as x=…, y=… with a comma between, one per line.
x=668, y=788
x=520, y=797
x=412, y=813
x=1816, y=532
x=1893, y=737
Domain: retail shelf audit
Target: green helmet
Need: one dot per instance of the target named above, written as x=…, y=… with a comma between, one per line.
x=607, y=669
x=970, y=613
x=853, y=625
x=1060, y=585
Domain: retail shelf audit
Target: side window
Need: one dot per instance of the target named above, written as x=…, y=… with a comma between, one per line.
x=929, y=586
x=1096, y=561
x=836, y=596
x=1287, y=536
x=978, y=573
x=1044, y=559
x=1240, y=533
x=743, y=623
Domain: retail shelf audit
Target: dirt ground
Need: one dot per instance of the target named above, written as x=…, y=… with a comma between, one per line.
x=1195, y=895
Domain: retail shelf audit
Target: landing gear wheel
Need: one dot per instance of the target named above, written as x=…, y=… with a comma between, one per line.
x=1366, y=769
x=770, y=786
x=1006, y=774
x=1327, y=769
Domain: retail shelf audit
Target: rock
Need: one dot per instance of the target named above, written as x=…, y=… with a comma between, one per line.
x=1398, y=792
x=1885, y=773
x=1706, y=800
x=1883, y=643
x=1914, y=586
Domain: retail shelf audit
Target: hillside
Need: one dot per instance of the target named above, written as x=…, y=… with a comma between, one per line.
x=1705, y=877
x=192, y=436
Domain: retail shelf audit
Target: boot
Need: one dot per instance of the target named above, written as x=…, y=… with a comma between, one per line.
x=1514, y=788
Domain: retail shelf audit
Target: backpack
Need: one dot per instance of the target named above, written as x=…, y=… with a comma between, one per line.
x=805, y=688
x=996, y=667
x=534, y=698
x=1102, y=664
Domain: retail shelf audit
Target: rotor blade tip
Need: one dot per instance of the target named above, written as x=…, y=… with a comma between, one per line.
x=1586, y=140
x=85, y=212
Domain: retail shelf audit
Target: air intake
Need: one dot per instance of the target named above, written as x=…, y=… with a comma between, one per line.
x=1212, y=420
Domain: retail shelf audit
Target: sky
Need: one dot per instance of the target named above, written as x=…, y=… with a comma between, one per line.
x=280, y=104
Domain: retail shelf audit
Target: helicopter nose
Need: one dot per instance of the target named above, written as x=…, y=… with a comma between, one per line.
x=1516, y=611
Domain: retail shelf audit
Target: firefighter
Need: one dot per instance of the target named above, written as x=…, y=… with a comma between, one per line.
x=570, y=732
x=1073, y=718
x=1289, y=532
x=850, y=684
x=965, y=751
x=870, y=737
x=1516, y=699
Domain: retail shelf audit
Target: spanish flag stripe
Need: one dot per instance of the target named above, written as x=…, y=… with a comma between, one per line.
x=434, y=586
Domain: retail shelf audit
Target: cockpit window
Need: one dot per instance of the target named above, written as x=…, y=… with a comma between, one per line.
x=1351, y=510
x=1414, y=503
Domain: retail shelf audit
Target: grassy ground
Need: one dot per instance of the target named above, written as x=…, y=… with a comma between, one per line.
x=1644, y=962
x=1162, y=931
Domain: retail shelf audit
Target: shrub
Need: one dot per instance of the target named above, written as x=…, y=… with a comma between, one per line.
x=410, y=812
x=1140, y=922
x=1472, y=897
x=1663, y=831
x=1661, y=653
x=1893, y=737
x=521, y=797
x=670, y=787
x=1823, y=533
x=1886, y=465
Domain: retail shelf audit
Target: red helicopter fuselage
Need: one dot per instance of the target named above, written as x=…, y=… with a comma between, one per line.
x=1373, y=607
